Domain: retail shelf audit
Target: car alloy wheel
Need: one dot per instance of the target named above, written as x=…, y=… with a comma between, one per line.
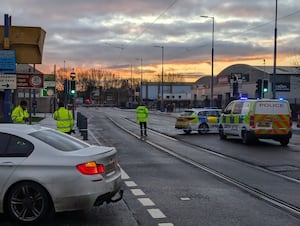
x=203, y=128
x=27, y=202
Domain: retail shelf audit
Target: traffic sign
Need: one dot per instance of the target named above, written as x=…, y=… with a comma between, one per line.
x=49, y=89
x=8, y=81
x=8, y=61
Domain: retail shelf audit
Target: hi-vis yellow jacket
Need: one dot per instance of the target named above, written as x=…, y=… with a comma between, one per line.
x=64, y=120
x=142, y=113
x=18, y=114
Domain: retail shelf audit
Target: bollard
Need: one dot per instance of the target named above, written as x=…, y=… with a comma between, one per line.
x=82, y=125
x=84, y=129
x=79, y=115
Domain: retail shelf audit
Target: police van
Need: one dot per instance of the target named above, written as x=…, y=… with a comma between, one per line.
x=254, y=119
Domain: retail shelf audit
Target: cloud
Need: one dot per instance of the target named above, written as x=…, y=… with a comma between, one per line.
x=113, y=33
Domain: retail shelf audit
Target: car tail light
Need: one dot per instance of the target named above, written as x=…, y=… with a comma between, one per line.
x=252, y=123
x=91, y=168
x=291, y=121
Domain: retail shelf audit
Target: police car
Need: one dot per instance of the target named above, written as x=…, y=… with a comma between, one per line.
x=202, y=120
x=254, y=119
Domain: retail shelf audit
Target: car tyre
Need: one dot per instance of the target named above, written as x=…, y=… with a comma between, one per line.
x=246, y=137
x=187, y=131
x=284, y=141
x=27, y=202
x=221, y=133
x=203, y=128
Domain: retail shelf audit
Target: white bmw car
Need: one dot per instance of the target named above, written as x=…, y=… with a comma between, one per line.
x=43, y=170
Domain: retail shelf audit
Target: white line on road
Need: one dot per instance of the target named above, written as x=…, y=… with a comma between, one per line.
x=185, y=199
x=165, y=224
x=92, y=134
x=130, y=183
x=137, y=192
x=146, y=202
x=124, y=175
x=156, y=213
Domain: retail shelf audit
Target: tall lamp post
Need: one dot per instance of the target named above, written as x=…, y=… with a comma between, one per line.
x=212, y=60
x=275, y=55
x=162, y=77
x=141, y=96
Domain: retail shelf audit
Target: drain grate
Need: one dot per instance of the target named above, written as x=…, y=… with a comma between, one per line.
x=282, y=168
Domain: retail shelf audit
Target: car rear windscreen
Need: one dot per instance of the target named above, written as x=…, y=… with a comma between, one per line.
x=186, y=113
x=59, y=140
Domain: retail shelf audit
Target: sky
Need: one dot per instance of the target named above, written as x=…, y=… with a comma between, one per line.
x=122, y=35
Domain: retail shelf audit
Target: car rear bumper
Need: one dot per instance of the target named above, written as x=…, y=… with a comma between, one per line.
x=91, y=195
x=272, y=136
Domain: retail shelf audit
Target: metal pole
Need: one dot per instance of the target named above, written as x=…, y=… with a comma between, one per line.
x=275, y=55
x=162, y=79
x=212, y=60
x=7, y=92
x=141, y=96
x=212, y=64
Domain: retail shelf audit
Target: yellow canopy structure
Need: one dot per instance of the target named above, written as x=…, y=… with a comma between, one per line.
x=28, y=42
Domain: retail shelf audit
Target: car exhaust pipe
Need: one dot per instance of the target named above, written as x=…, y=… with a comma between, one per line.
x=108, y=198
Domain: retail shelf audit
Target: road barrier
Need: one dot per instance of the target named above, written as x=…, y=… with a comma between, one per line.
x=82, y=125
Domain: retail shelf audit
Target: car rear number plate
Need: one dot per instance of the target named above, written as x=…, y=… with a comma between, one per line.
x=110, y=167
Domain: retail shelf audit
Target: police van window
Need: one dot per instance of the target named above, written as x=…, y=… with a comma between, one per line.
x=238, y=108
x=228, y=109
x=245, y=108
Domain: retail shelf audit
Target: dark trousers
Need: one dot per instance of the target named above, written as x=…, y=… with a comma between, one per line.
x=143, y=127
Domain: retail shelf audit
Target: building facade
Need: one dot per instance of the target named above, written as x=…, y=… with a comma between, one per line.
x=240, y=80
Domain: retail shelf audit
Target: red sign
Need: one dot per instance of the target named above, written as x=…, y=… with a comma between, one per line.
x=30, y=80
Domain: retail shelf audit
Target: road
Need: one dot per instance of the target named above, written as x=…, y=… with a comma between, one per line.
x=189, y=180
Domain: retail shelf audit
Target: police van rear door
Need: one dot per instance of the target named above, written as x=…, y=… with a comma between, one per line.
x=272, y=117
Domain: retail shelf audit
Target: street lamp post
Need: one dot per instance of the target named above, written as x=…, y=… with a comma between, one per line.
x=162, y=77
x=141, y=96
x=212, y=60
x=275, y=55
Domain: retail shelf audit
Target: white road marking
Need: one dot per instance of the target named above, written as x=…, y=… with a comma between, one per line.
x=124, y=175
x=92, y=134
x=130, y=183
x=137, y=192
x=146, y=202
x=165, y=224
x=156, y=213
x=185, y=199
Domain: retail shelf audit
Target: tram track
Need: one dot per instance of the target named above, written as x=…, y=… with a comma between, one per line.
x=258, y=193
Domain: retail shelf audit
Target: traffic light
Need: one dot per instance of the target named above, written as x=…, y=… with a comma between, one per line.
x=258, y=88
x=265, y=86
x=73, y=87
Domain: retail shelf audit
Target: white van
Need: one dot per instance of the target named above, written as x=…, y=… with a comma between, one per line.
x=254, y=119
